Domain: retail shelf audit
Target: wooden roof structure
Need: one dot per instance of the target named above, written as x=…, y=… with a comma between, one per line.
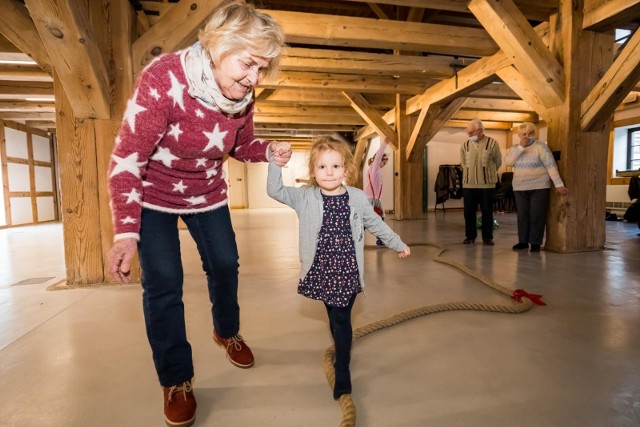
x=403, y=69
x=346, y=61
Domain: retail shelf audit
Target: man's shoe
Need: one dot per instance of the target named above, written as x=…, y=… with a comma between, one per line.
x=489, y=242
x=519, y=246
x=469, y=241
x=535, y=248
x=179, y=405
x=238, y=352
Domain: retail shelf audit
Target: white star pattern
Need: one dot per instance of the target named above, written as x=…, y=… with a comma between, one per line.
x=132, y=196
x=201, y=162
x=176, y=91
x=210, y=181
x=199, y=113
x=212, y=172
x=128, y=220
x=164, y=155
x=180, y=187
x=224, y=191
x=118, y=140
x=175, y=131
x=153, y=92
x=146, y=184
x=193, y=200
x=215, y=139
x=127, y=164
x=132, y=111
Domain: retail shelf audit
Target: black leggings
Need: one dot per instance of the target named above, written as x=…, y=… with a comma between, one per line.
x=340, y=325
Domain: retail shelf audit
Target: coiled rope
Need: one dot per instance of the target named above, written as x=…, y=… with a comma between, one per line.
x=521, y=302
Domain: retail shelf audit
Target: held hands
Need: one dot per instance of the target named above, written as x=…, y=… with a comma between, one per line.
x=563, y=191
x=280, y=153
x=405, y=253
x=119, y=259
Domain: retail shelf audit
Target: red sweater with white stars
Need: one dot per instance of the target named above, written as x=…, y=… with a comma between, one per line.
x=170, y=149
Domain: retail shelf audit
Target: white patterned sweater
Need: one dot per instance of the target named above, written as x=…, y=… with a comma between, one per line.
x=170, y=149
x=533, y=167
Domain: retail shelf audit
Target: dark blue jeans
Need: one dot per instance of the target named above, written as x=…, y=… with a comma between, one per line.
x=162, y=279
x=484, y=197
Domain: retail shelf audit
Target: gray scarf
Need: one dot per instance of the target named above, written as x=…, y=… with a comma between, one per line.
x=202, y=83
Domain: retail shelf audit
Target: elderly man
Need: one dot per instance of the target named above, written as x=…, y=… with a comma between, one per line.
x=480, y=159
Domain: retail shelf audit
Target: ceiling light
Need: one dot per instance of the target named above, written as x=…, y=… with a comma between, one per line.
x=17, y=62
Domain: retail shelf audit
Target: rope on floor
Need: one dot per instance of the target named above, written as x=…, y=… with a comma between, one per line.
x=518, y=305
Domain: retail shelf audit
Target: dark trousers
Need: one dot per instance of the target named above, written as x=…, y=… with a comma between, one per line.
x=162, y=279
x=532, y=206
x=472, y=198
x=340, y=325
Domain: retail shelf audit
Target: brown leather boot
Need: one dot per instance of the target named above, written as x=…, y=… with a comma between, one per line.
x=179, y=405
x=238, y=352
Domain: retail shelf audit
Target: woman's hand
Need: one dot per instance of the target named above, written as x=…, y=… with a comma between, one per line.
x=563, y=191
x=405, y=253
x=119, y=259
x=280, y=152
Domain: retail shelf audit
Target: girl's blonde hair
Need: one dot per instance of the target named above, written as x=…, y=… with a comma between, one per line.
x=328, y=143
x=236, y=25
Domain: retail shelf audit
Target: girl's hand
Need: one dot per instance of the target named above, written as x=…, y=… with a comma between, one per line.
x=405, y=253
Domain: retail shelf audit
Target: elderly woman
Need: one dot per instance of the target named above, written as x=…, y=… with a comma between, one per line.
x=190, y=109
x=534, y=169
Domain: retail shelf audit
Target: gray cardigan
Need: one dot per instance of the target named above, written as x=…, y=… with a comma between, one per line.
x=307, y=202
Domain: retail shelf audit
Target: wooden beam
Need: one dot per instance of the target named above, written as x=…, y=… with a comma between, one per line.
x=18, y=27
x=341, y=61
x=496, y=116
x=322, y=97
x=468, y=80
x=372, y=117
x=41, y=107
x=41, y=124
x=379, y=11
x=25, y=73
x=617, y=82
x=172, y=31
x=607, y=15
x=20, y=90
x=318, y=29
x=515, y=36
x=346, y=82
x=429, y=122
x=537, y=10
x=306, y=119
x=493, y=104
x=306, y=127
x=66, y=32
x=519, y=84
x=26, y=115
x=487, y=124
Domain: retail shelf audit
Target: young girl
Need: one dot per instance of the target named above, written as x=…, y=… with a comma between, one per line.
x=332, y=217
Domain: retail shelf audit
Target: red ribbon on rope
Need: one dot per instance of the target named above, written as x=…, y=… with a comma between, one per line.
x=518, y=294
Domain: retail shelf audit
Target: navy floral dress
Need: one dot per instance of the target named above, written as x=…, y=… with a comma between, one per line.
x=333, y=277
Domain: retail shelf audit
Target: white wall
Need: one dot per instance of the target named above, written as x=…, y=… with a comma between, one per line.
x=257, y=179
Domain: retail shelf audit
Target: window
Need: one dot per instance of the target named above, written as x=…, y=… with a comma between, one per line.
x=633, y=148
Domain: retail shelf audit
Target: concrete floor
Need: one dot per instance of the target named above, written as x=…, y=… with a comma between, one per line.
x=79, y=358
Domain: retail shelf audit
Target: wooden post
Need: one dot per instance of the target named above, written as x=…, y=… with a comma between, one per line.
x=408, y=176
x=577, y=222
x=79, y=193
x=113, y=23
x=5, y=174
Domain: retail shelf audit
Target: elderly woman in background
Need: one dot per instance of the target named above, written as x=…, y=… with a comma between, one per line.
x=534, y=169
x=189, y=110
